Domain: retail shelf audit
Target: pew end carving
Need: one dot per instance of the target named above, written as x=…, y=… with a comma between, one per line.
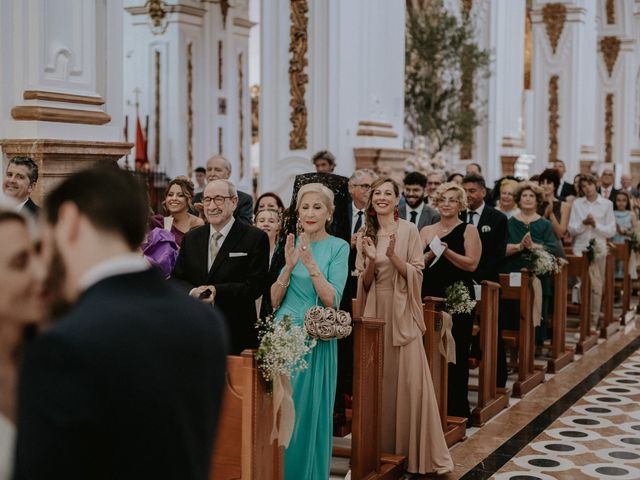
x=610, y=325
x=561, y=356
x=579, y=267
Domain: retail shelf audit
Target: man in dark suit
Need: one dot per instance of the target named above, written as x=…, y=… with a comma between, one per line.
x=225, y=262
x=607, y=190
x=565, y=189
x=492, y=227
x=219, y=168
x=19, y=181
x=416, y=210
x=128, y=383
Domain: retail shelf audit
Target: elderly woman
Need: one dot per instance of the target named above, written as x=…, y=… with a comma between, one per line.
x=457, y=264
x=528, y=231
x=315, y=272
x=21, y=305
x=177, y=203
x=506, y=203
x=390, y=263
x=552, y=209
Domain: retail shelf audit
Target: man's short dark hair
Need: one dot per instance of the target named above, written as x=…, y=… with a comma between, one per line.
x=112, y=199
x=201, y=170
x=29, y=163
x=415, y=178
x=475, y=178
x=324, y=155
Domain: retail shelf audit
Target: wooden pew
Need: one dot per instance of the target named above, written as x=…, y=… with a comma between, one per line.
x=243, y=448
x=491, y=400
x=454, y=428
x=622, y=254
x=561, y=356
x=610, y=325
x=528, y=376
x=579, y=267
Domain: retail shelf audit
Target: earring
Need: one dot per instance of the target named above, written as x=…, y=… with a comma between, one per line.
x=372, y=212
x=396, y=214
x=328, y=219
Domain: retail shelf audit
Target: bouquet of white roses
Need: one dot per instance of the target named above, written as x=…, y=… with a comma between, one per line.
x=595, y=250
x=542, y=262
x=458, y=299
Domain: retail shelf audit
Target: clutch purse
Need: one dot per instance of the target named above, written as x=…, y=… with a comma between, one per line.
x=327, y=323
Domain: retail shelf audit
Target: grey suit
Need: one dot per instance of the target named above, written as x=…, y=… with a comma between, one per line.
x=428, y=216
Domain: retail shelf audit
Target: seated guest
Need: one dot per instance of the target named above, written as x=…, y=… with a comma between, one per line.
x=177, y=203
x=268, y=201
x=457, y=264
x=626, y=225
x=529, y=231
x=506, y=203
x=390, y=260
x=225, y=263
x=551, y=208
x=21, y=282
x=416, y=210
x=19, y=181
x=592, y=219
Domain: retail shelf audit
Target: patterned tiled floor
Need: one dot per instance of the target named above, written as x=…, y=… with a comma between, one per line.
x=598, y=437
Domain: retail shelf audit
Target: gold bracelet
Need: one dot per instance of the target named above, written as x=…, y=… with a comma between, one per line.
x=284, y=286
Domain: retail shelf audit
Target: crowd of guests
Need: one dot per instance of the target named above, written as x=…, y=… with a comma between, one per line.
x=367, y=238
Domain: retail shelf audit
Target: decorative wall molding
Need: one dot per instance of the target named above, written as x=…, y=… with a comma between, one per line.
x=241, y=114
x=298, y=79
x=220, y=64
x=243, y=23
x=611, y=12
x=372, y=123
x=610, y=48
x=554, y=16
x=63, y=115
x=61, y=97
x=608, y=128
x=224, y=11
x=156, y=120
x=553, y=118
x=189, y=109
x=220, y=146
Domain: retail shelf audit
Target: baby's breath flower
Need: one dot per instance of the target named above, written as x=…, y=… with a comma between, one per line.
x=458, y=299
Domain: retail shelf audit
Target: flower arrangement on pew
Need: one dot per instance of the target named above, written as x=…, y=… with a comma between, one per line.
x=540, y=262
x=635, y=242
x=282, y=351
x=595, y=250
x=458, y=299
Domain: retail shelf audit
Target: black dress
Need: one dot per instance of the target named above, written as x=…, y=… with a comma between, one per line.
x=435, y=281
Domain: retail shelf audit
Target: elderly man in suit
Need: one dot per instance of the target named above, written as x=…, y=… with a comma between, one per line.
x=492, y=227
x=19, y=181
x=607, y=189
x=128, y=384
x=219, y=168
x=565, y=189
x=416, y=210
x=225, y=263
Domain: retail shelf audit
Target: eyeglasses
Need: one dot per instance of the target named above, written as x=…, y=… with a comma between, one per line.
x=447, y=201
x=218, y=200
x=434, y=183
x=364, y=186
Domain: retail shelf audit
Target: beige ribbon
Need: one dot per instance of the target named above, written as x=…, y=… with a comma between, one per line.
x=537, y=301
x=633, y=265
x=446, y=338
x=282, y=403
x=594, y=276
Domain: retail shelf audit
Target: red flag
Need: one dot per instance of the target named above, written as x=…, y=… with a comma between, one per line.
x=141, y=146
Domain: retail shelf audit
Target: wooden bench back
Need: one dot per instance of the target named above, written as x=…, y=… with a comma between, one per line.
x=432, y=307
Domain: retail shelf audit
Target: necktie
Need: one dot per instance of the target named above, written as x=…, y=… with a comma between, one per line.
x=414, y=215
x=358, y=224
x=471, y=214
x=214, y=248
x=606, y=193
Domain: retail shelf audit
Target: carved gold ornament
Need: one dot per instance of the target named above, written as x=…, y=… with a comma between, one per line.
x=241, y=113
x=157, y=12
x=554, y=15
x=610, y=48
x=156, y=123
x=608, y=128
x=611, y=12
x=467, y=5
x=189, y=109
x=553, y=118
x=298, y=79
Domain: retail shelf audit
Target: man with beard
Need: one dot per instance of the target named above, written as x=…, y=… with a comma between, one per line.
x=127, y=384
x=415, y=210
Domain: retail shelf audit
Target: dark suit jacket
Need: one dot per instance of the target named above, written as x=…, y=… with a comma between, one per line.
x=244, y=210
x=239, y=279
x=612, y=194
x=127, y=385
x=494, y=243
x=428, y=216
x=31, y=207
x=567, y=190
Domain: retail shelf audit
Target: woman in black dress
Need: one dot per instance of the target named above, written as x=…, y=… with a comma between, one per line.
x=457, y=263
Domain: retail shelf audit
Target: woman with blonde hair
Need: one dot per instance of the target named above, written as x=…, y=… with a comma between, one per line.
x=506, y=203
x=390, y=263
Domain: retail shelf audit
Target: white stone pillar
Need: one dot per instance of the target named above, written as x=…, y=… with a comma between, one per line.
x=61, y=78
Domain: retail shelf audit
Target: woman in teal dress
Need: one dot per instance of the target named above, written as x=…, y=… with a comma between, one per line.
x=529, y=231
x=315, y=273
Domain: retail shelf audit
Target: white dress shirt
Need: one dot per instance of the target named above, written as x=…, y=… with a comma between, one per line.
x=7, y=442
x=476, y=218
x=21, y=204
x=602, y=211
x=418, y=211
x=354, y=215
x=224, y=231
x=118, y=265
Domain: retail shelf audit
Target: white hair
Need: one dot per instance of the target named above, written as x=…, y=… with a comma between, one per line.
x=324, y=192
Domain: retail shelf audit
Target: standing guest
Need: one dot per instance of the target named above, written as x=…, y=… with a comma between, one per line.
x=565, y=191
x=627, y=185
x=269, y=201
x=434, y=180
x=455, y=178
x=19, y=181
x=576, y=185
x=269, y=222
x=457, y=264
x=225, y=263
x=21, y=305
x=324, y=161
x=390, y=260
x=416, y=210
x=552, y=208
x=177, y=203
x=473, y=168
x=492, y=228
x=592, y=218
x=506, y=203
x=219, y=168
x=201, y=179
x=128, y=384
x=607, y=190
x=315, y=273
x=359, y=188
x=626, y=225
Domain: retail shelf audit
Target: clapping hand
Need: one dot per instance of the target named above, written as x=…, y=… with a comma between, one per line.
x=391, y=248
x=291, y=253
x=304, y=251
x=368, y=248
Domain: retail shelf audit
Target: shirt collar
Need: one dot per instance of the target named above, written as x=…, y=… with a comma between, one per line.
x=21, y=204
x=477, y=210
x=118, y=265
x=224, y=231
x=355, y=209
